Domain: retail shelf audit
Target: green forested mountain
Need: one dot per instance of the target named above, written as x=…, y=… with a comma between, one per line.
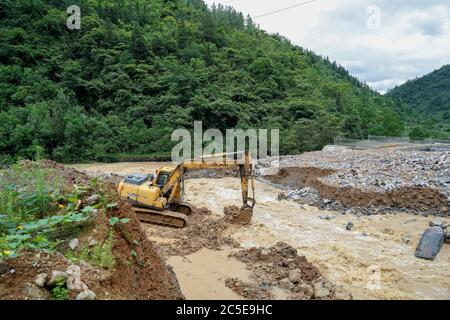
x=138, y=69
x=429, y=95
x=427, y=100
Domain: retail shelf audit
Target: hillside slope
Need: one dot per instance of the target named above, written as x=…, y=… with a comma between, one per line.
x=429, y=94
x=427, y=98
x=138, y=69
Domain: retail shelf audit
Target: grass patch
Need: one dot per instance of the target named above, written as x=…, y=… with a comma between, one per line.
x=100, y=255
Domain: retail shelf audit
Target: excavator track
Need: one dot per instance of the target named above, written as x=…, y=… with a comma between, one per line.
x=165, y=217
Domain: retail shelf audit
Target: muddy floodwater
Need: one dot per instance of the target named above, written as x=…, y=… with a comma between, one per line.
x=373, y=261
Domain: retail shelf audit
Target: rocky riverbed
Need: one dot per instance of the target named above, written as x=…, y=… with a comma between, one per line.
x=369, y=181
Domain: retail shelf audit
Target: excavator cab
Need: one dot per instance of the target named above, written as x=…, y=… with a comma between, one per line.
x=163, y=177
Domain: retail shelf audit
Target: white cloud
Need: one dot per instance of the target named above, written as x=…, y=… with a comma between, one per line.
x=413, y=38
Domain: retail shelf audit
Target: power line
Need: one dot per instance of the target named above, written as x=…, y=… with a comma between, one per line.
x=225, y=3
x=284, y=9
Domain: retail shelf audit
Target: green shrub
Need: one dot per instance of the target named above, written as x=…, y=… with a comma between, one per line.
x=60, y=291
x=100, y=255
x=34, y=204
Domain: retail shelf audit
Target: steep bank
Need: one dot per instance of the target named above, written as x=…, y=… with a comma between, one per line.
x=109, y=256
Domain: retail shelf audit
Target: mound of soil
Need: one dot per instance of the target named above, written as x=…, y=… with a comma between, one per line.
x=203, y=231
x=280, y=266
x=414, y=198
x=140, y=273
x=18, y=282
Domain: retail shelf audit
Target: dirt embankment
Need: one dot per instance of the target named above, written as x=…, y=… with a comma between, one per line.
x=140, y=273
x=136, y=271
x=413, y=198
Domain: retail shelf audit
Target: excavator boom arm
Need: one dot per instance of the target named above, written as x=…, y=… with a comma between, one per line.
x=173, y=184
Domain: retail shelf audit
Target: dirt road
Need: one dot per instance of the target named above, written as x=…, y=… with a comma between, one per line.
x=373, y=261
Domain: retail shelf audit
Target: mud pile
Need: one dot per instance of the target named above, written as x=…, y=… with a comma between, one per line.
x=308, y=182
x=136, y=272
x=280, y=266
x=140, y=273
x=204, y=230
x=237, y=216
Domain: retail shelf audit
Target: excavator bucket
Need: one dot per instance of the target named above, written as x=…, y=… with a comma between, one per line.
x=245, y=216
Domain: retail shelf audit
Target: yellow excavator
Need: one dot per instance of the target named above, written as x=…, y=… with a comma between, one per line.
x=159, y=198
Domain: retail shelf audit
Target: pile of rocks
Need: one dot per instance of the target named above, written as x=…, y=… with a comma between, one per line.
x=70, y=278
x=375, y=170
x=280, y=266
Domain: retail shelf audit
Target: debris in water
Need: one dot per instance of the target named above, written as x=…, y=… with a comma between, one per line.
x=281, y=267
x=437, y=223
x=349, y=226
x=205, y=231
x=447, y=237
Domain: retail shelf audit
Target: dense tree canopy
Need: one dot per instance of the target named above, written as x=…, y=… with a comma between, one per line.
x=139, y=69
x=427, y=101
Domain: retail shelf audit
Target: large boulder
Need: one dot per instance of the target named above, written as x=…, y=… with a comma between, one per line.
x=430, y=244
x=74, y=280
x=34, y=292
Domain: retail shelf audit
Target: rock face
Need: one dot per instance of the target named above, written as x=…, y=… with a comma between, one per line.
x=322, y=290
x=437, y=223
x=92, y=242
x=447, y=237
x=328, y=217
x=74, y=280
x=430, y=244
x=349, y=226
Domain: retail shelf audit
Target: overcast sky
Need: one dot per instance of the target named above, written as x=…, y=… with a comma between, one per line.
x=382, y=42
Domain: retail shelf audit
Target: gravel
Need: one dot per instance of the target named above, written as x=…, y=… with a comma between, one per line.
x=374, y=170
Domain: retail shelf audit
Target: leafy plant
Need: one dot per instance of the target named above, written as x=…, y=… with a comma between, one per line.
x=114, y=220
x=111, y=205
x=100, y=255
x=33, y=207
x=60, y=291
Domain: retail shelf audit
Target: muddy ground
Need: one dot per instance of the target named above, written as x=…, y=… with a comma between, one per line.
x=375, y=260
